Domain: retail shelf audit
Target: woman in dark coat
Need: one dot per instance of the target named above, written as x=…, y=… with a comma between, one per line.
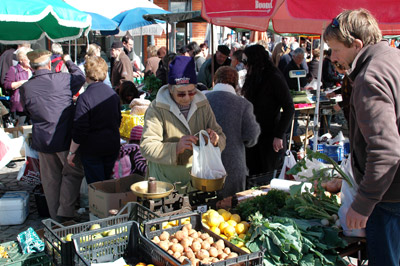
x=266, y=88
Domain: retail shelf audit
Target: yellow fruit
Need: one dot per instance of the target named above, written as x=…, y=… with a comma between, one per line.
x=240, y=244
x=206, y=226
x=227, y=215
x=240, y=228
x=204, y=216
x=167, y=226
x=95, y=226
x=153, y=228
x=222, y=226
x=223, y=236
x=221, y=211
x=232, y=222
x=141, y=264
x=204, y=221
x=164, y=224
x=174, y=223
x=236, y=218
x=216, y=230
x=229, y=231
x=242, y=236
x=186, y=222
x=68, y=237
x=213, y=219
x=246, y=249
x=246, y=224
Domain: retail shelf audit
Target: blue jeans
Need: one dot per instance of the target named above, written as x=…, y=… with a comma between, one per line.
x=98, y=168
x=383, y=235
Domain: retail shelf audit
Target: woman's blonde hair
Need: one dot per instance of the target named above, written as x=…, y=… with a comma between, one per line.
x=22, y=51
x=152, y=51
x=354, y=24
x=93, y=49
x=227, y=75
x=96, y=68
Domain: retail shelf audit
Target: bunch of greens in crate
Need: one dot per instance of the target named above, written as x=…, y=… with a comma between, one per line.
x=151, y=85
x=304, y=205
x=286, y=243
x=268, y=205
x=318, y=174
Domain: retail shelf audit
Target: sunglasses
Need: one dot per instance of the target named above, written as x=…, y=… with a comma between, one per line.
x=335, y=23
x=183, y=94
x=244, y=61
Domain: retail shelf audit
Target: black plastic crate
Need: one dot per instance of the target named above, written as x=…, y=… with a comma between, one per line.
x=154, y=228
x=127, y=242
x=62, y=251
x=261, y=179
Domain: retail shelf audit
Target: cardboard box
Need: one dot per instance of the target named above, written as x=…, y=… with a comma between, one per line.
x=19, y=131
x=111, y=194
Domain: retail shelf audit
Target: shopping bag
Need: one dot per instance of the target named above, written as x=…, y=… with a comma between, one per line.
x=347, y=196
x=288, y=163
x=207, y=162
x=9, y=148
x=30, y=171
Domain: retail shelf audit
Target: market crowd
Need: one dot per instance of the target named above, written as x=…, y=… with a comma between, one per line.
x=241, y=96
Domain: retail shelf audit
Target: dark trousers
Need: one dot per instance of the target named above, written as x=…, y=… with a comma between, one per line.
x=98, y=168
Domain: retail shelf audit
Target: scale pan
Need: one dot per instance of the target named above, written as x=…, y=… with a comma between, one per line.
x=163, y=189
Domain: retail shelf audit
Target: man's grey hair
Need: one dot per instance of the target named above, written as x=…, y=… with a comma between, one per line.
x=56, y=48
x=298, y=51
x=41, y=64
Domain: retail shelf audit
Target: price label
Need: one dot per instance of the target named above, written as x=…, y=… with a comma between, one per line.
x=202, y=208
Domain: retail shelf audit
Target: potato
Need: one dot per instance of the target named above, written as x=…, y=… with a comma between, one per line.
x=181, y=259
x=214, y=260
x=204, y=236
x=206, y=260
x=164, y=244
x=188, y=227
x=227, y=250
x=195, y=261
x=196, y=246
x=232, y=255
x=177, y=255
x=186, y=243
x=179, y=236
x=210, y=240
x=202, y=254
x=174, y=240
x=220, y=244
x=170, y=252
x=176, y=247
x=190, y=254
x=213, y=252
x=156, y=239
x=193, y=234
x=222, y=256
x=205, y=245
x=164, y=236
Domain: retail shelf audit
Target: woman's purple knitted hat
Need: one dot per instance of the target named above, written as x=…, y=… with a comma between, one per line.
x=182, y=71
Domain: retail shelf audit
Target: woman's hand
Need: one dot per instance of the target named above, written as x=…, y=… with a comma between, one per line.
x=185, y=143
x=277, y=144
x=214, y=138
x=70, y=159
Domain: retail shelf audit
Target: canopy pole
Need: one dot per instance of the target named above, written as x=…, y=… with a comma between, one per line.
x=316, y=115
x=76, y=51
x=166, y=32
x=212, y=55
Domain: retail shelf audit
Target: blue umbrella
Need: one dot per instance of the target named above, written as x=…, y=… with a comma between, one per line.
x=100, y=22
x=133, y=18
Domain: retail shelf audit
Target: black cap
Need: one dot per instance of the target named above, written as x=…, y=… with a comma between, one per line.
x=117, y=44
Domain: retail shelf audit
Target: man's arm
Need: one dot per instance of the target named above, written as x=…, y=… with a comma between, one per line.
x=77, y=76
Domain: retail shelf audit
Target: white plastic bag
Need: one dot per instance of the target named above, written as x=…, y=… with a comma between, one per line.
x=9, y=148
x=347, y=196
x=207, y=163
x=288, y=163
x=30, y=171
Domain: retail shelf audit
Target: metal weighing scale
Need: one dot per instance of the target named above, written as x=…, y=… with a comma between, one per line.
x=297, y=74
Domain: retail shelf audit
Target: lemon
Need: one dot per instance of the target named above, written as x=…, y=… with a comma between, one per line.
x=232, y=222
x=204, y=216
x=246, y=224
x=227, y=215
x=246, y=249
x=240, y=244
x=213, y=219
x=174, y=223
x=229, y=231
x=236, y=218
x=164, y=224
x=221, y=211
x=167, y=226
x=216, y=230
x=240, y=228
x=222, y=226
x=223, y=236
x=186, y=222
